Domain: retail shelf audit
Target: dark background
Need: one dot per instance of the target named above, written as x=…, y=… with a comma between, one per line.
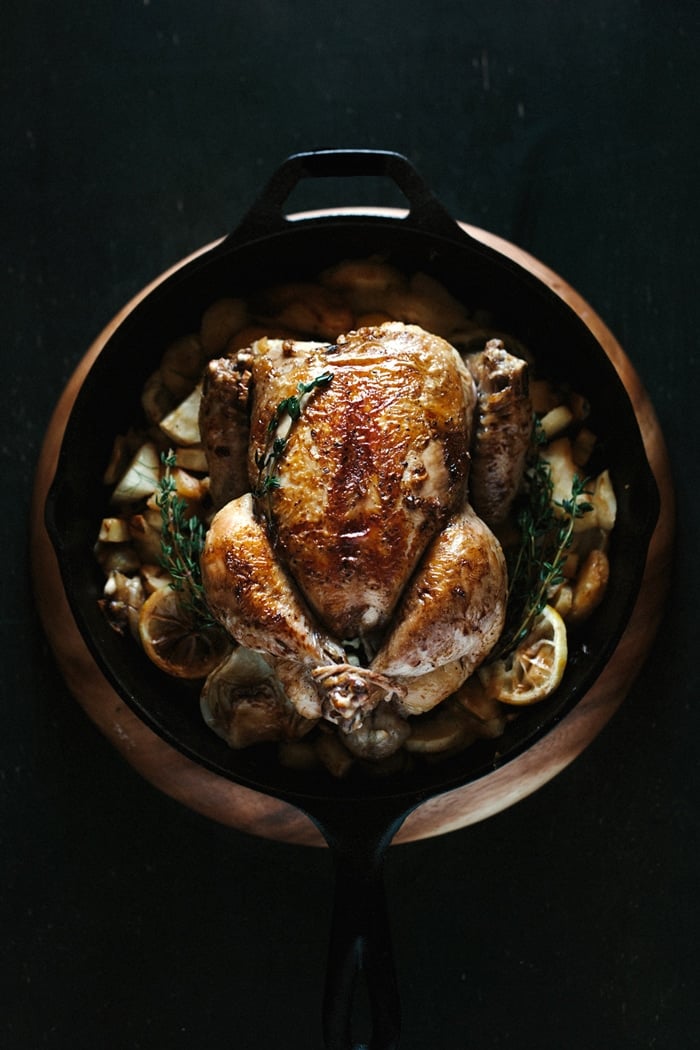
x=135, y=132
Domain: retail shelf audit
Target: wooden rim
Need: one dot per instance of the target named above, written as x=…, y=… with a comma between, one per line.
x=230, y=804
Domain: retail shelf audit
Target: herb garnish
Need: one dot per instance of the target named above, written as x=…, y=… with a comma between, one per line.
x=278, y=429
x=182, y=541
x=537, y=564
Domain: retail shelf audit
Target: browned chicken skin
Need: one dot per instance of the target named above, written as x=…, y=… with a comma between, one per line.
x=371, y=471
x=223, y=424
x=502, y=431
x=357, y=524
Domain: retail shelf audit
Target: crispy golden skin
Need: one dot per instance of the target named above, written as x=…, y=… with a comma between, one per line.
x=366, y=532
x=373, y=468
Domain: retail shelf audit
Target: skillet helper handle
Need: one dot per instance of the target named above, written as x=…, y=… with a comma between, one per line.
x=267, y=216
x=361, y=946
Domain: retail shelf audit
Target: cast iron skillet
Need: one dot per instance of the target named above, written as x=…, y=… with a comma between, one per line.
x=357, y=817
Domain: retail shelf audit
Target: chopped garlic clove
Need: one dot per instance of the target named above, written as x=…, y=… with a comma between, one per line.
x=141, y=477
x=181, y=425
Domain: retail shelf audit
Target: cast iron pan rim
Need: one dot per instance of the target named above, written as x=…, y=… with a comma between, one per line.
x=415, y=785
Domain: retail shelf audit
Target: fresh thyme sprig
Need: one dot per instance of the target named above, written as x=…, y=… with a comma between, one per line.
x=278, y=429
x=537, y=564
x=182, y=538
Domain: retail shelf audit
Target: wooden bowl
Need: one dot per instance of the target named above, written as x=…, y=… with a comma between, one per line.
x=240, y=807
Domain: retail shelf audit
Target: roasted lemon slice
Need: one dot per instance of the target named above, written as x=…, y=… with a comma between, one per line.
x=174, y=642
x=535, y=668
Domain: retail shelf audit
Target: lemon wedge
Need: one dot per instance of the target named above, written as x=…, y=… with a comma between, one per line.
x=534, y=669
x=172, y=640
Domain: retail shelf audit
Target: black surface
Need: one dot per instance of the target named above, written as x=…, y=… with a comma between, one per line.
x=135, y=133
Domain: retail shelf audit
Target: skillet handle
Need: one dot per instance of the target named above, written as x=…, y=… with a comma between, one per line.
x=266, y=216
x=360, y=940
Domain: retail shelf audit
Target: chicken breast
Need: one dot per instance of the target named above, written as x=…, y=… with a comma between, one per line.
x=371, y=470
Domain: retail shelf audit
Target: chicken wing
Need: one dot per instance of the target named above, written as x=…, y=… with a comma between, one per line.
x=503, y=430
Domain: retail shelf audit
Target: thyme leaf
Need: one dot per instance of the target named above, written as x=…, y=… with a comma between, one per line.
x=182, y=538
x=537, y=564
x=283, y=418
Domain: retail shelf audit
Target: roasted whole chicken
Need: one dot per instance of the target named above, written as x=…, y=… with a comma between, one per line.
x=357, y=486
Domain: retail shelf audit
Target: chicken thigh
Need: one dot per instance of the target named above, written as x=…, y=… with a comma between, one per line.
x=357, y=526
